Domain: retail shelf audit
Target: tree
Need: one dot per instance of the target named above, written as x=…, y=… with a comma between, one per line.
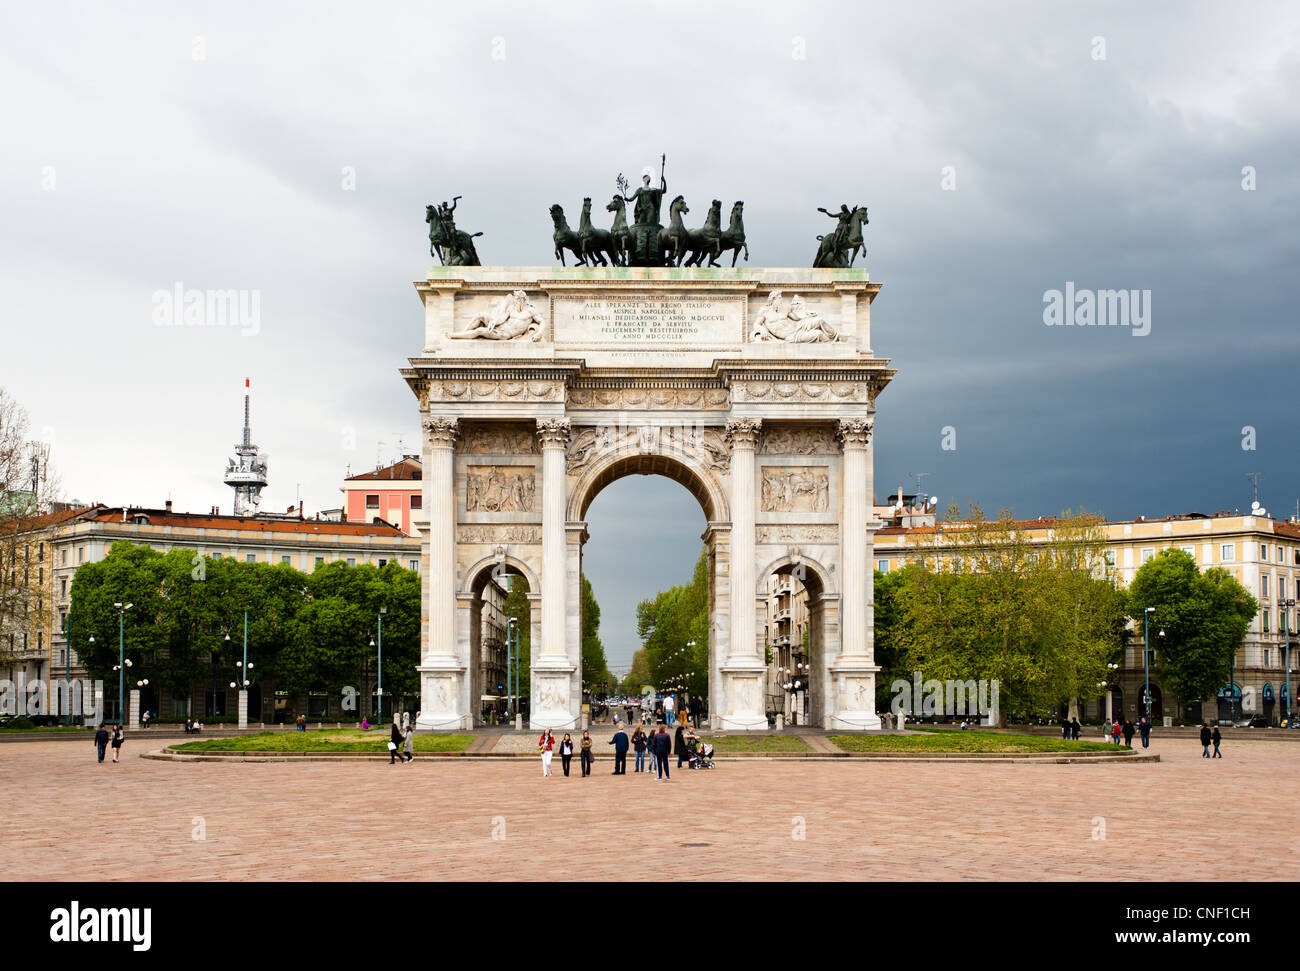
x=518, y=606
x=1205, y=616
x=595, y=669
x=638, y=676
x=669, y=623
x=888, y=614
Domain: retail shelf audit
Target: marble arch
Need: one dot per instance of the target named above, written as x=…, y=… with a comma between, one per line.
x=697, y=374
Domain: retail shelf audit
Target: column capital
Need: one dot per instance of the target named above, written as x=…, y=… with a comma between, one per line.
x=742, y=433
x=441, y=432
x=855, y=432
x=554, y=432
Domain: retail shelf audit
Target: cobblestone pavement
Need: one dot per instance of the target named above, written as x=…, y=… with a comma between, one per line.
x=1184, y=818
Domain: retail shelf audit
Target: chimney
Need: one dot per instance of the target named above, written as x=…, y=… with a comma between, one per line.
x=169, y=505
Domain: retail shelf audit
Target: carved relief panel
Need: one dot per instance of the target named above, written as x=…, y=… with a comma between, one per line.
x=500, y=488
x=804, y=488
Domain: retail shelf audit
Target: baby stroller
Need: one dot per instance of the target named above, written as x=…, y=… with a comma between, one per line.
x=701, y=755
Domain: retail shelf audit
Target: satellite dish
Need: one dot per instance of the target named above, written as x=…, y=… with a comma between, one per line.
x=934, y=500
x=1254, y=505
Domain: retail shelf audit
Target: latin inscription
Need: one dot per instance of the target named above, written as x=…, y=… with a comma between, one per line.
x=647, y=320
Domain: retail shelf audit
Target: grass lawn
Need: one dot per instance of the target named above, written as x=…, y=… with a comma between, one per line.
x=726, y=744
x=955, y=740
x=331, y=740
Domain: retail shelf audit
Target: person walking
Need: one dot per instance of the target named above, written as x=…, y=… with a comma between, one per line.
x=1205, y=740
x=118, y=738
x=668, y=708
x=101, y=740
x=679, y=746
x=696, y=708
x=619, y=741
x=1065, y=729
x=1115, y=730
x=663, y=747
x=408, y=741
x=639, y=743
x=1105, y=729
x=1144, y=729
x=395, y=741
x=1128, y=732
x=1075, y=729
x=585, y=756
x=144, y=719
x=1216, y=738
x=546, y=746
x=566, y=752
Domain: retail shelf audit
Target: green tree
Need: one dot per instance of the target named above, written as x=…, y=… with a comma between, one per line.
x=669, y=623
x=1205, y=616
x=518, y=607
x=595, y=668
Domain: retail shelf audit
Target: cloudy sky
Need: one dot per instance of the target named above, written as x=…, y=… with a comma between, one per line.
x=1003, y=149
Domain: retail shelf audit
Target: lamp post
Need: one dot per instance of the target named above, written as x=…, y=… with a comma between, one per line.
x=245, y=679
x=379, y=668
x=1287, y=606
x=1146, y=658
x=67, y=671
x=122, y=663
x=1110, y=697
x=512, y=660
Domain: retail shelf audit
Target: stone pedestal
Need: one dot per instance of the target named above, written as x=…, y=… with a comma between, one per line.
x=243, y=708
x=133, y=719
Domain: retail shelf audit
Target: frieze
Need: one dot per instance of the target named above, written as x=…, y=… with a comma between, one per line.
x=797, y=440
x=476, y=390
x=828, y=391
x=500, y=440
x=498, y=534
x=499, y=488
x=625, y=398
x=795, y=488
x=785, y=533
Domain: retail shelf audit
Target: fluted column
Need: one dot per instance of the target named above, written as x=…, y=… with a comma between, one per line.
x=553, y=704
x=744, y=669
x=854, y=704
x=444, y=703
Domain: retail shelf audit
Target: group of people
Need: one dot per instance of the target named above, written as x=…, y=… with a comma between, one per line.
x=1206, y=738
x=401, y=742
x=668, y=710
x=103, y=739
x=1113, y=730
x=658, y=745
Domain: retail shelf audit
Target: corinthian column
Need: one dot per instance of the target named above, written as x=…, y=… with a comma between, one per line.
x=854, y=671
x=551, y=702
x=442, y=701
x=744, y=669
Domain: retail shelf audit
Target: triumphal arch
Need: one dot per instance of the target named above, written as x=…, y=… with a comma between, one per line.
x=753, y=388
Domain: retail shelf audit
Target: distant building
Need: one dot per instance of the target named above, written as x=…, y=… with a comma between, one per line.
x=786, y=640
x=392, y=494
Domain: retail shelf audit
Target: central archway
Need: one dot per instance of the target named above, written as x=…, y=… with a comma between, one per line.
x=706, y=484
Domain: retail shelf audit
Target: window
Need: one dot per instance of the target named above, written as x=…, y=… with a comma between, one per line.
x=81, y=554
x=413, y=565
x=63, y=556
x=1227, y=552
x=1265, y=612
x=382, y=563
x=1266, y=657
x=884, y=566
x=1263, y=584
x=1263, y=552
x=320, y=561
x=1281, y=587
x=250, y=557
x=1148, y=554
x=417, y=501
x=63, y=586
x=286, y=559
x=372, y=500
x=352, y=561
x=1189, y=550
x=1110, y=557
x=63, y=657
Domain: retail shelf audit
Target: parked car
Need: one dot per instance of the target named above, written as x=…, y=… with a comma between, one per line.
x=1254, y=721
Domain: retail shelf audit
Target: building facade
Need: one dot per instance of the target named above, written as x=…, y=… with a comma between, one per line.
x=393, y=494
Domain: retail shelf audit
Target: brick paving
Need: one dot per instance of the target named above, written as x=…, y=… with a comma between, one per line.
x=1185, y=818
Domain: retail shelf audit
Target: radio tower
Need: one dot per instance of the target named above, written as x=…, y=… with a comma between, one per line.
x=246, y=473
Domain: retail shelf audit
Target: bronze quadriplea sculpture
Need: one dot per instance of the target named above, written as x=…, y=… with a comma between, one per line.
x=839, y=247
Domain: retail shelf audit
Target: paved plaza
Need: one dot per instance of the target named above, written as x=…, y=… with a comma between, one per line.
x=1185, y=818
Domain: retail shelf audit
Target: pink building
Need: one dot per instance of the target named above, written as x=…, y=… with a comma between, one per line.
x=389, y=494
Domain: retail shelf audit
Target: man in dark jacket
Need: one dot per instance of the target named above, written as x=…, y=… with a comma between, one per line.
x=1128, y=732
x=619, y=741
x=696, y=707
x=395, y=744
x=663, y=748
x=1144, y=729
x=1216, y=738
x=101, y=740
x=1205, y=741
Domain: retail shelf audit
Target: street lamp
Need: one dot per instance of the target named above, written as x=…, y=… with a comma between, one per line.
x=379, y=670
x=122, y=663
x=1146, y=657
x=1286, y=606
x=512, y=664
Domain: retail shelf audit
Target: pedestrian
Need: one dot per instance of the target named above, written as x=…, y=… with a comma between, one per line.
x=145, y=719
x=679, y=746
x=1128, y=732
x=696, y=708
x=566, y=752
x=1115, y=730
x=1144, y=729
x=118, y=738
x=1217, y=737
x=663, y=747
x=639, y=743
x=408, y=741
x=302, y=723
x=1105, y=729
x=1075, y=728
x=1065, y=728
x=365, y=724
x=101, y=740
x=619, y=741
x=585, y=754
x=1205, y=740
x=395, y=741
x=668, y=708
x=546, y=746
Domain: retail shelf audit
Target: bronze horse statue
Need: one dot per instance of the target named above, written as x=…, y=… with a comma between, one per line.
x=733, y=237
x=452, y=246
x=840, y=247
x=672, y=239
x=565, y=238
x=594, y=243
x=619, y=231
x=707, y=240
